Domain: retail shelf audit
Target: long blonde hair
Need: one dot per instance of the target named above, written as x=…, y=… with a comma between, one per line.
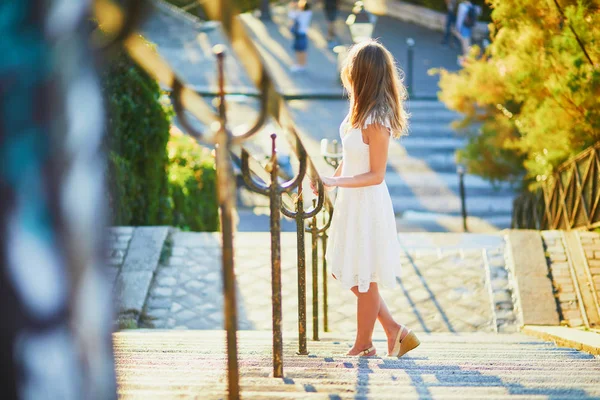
x=376, y=90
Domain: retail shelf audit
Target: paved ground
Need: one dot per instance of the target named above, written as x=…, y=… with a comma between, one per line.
x=445, y=285
x=188, y=365
x=188, y=48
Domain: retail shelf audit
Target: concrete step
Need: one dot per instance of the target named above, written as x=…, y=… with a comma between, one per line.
x=437, y=162
x=414, y=105
x=427, y=127
x=442, y=183
x=435, y=116
x=160, y=364
x=416, y=144
x=485, y=206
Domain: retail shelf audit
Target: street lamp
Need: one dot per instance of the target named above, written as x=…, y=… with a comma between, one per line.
x=460, y=170
x=361, y=23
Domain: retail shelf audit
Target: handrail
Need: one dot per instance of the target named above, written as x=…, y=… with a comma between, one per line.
x=185, y=99
x=567, y=199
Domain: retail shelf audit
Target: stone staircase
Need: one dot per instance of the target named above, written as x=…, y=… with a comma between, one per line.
x=192, y=365
x=423, y=181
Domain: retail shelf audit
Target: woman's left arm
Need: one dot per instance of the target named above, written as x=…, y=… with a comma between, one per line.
x=379, y=141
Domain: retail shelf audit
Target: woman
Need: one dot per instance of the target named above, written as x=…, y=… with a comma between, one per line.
x=301, y=15
x=363, y=248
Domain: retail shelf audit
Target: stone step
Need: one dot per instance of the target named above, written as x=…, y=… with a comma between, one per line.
x=423, y=145
x=159, y=364
x=434, y=116
x=442, y=183
x=436, y=162
x=483, y=206
x=413, y=105
x=431, y=128
x=412, y=222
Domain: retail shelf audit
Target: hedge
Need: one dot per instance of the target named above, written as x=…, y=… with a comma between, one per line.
x=154, y=177
x=193, y=181
x=138, y=132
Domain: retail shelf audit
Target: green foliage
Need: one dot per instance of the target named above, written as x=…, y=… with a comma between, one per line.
x=193, y=181
x=138, y=131
x=440, y=5
x=155, y=178
x=532, y=99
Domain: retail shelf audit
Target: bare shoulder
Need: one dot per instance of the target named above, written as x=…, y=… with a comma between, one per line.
x=376, y=133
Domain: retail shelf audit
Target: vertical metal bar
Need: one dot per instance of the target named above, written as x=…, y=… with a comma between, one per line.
x=226, y=197
x=315, y=276
x=409, y=65
x=463, y=201
x=276, y=263
x=324, y=252
x=301, y=273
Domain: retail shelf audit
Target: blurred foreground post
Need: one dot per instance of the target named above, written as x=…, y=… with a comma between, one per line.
x=55, y=335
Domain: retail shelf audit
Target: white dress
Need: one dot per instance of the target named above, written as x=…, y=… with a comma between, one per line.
x=363, y=244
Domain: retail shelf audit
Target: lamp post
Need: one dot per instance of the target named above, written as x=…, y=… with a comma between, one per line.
x=460, y=170
x=361, y=23
x=410, y=42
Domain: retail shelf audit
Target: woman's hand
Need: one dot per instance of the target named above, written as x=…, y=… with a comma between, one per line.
x=328, y=182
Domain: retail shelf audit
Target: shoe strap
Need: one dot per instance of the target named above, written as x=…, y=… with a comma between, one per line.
x=404, y=328
x=367, y=351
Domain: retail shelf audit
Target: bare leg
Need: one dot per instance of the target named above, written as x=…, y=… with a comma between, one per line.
x=367, y=311
x=331, y=31
x=301, y=58
x=390, y=326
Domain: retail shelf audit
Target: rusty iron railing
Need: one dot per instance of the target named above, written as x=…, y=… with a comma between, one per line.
x=121, y=26
x=274, y=190
x=567, y=199
x=300, y=215
x=317, y=231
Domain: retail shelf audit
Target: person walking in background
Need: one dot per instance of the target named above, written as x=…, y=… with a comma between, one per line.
x=466, y=17
x=331, y=10
x=300, y=13
x=450, y=20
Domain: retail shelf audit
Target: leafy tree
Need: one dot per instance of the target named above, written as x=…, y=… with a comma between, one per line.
x=531, y=100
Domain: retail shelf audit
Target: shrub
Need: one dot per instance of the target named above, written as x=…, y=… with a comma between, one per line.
x=193, y=181
x=138, y=131
x=532, y=99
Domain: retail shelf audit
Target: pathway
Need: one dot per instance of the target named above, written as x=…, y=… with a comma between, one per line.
x=445, y=285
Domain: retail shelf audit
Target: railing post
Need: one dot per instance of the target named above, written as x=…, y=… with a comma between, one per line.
x=302, y=350
x=463, y=201
x=315, y=275
x=300, y=215
x=226, y=196
x=324, y=253
x=274, y=191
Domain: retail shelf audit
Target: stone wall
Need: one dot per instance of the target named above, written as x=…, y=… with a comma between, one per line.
x=564, y=288
x=428, y=18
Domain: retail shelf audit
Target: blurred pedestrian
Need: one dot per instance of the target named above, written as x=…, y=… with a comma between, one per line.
x=452, y=6
x=331, y=11
x=300, y=13
x=466, y=18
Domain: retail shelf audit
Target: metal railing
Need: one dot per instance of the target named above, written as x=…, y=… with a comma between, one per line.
x=122, y=27
x=567, y=199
